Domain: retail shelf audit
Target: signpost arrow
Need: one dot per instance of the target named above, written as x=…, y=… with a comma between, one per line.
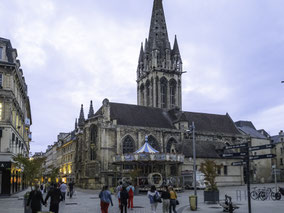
x=257, y=157
x=238, y=154
x=266, y=146
x=242, y=145
x=239, y=163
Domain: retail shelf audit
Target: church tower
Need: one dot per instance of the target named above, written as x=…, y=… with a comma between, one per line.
x=159, y=66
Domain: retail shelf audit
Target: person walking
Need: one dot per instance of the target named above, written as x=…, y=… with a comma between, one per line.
x=154, y=197
x=41, y=188
x=124, y=196
x=173, y=200
x=105, y=197
x=118, y=190
x=35, y=198
x=63, y=189
x=55, y=197
x=166, y=199
x=130, y=189
x=71, y=188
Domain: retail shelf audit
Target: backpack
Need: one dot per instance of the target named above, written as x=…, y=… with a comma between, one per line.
x=157, y=198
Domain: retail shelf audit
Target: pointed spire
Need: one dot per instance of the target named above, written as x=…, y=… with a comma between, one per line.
x=176, y=48
x=91, y=110
x=76, y=124
x=158, y=28
x=81, y=121
x=146, y=49
x=141, y=56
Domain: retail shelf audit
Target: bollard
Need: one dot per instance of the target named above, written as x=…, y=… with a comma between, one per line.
x=193, y=202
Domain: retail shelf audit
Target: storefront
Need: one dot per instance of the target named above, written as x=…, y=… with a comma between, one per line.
x=5, y=176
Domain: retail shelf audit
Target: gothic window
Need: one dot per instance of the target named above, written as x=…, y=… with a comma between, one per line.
x=170, y=148
x=173, y=93
x=148, y=92
x=164, y=85
x=92, y=154
x=93, y=133
x=128, y=145
x=142, y=93
x=157, y=96
x=153, y=142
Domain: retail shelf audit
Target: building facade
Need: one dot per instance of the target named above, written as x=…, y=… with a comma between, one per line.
x=15, y=118
x=278, y=140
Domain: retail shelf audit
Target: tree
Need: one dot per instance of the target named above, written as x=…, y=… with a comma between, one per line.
x=54, y=173
x=209, y=169
x=31, y=167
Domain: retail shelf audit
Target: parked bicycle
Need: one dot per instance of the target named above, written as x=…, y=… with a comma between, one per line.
x=277, y=195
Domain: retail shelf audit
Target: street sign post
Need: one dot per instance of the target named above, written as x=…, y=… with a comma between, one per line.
x=266, y=146
x=237, y=146
x=237, y=154
x=239, y=163
x=258, y=157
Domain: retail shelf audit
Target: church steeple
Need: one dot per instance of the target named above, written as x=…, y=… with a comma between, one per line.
x=81, y=121
x=91, y=110
x=159, y=73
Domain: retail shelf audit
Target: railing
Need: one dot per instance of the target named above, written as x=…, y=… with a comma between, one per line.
x=148, y=157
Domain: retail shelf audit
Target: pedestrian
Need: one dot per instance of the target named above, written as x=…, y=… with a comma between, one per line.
x=71, y=187
x=124, y=196
x=41, y=188
x=35, y=198
x=173, y=200
x=154, y=198
x=118, y=189
x=63, y=189
x=166, y=199
x=130, y=190
x=105, y=197
x=55, y=197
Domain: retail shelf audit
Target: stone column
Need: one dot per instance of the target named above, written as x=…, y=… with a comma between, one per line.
x=159, y=93
x=154, y=91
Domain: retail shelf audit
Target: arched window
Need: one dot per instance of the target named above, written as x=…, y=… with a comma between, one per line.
x=170, y=148
x=173, y=85
x=93, y=134
x=128, y=145
x=153, y=142
x=164, y=85
x=142, y=94
x=148, y=92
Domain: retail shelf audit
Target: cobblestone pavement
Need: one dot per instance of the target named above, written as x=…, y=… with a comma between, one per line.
x=86, y=201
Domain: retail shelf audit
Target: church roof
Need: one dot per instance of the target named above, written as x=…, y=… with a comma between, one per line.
x=141, y=116
x=134, y=115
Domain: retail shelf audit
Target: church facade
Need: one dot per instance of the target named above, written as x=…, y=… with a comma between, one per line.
x=118, y=128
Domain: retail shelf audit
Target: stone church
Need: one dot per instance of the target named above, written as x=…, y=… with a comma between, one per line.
x=118, y=128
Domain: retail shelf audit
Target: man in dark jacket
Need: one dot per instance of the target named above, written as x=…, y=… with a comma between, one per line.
x=35, y=197
x=71, y=188
x=123, y=199
x=55, y=198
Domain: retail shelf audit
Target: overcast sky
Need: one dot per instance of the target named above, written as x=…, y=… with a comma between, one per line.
x=74, y=51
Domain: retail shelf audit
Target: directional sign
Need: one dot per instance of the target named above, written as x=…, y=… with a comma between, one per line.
x=242, y=145
x=266, y=146
x=239, y=163
x=238, y=154
x=257, y=157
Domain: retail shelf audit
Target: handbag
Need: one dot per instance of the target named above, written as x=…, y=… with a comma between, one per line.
x=177, y=202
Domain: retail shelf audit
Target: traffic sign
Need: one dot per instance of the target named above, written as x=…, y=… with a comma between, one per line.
x=239, y=163
x=242, y=145
x=238, y=154
x=266, y=146
x=257, y=157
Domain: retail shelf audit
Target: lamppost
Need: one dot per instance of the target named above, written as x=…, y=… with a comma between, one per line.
x=191, y=130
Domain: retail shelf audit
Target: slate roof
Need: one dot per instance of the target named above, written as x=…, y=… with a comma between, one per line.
x=134, y=115
x=276, y=138
x=9, y=50
x=212, y=123
x=204, y=149
x=248, y=128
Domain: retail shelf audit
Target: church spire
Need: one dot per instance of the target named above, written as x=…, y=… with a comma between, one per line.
x=91, y=110
x=158, y=29
x=141, y=56
x=76, y=124
x=176, y=48
x=81, y=121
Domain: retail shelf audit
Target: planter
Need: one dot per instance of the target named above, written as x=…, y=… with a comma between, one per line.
x=211, y=196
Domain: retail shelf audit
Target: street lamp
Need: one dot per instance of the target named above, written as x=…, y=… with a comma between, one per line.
x=191, y=130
